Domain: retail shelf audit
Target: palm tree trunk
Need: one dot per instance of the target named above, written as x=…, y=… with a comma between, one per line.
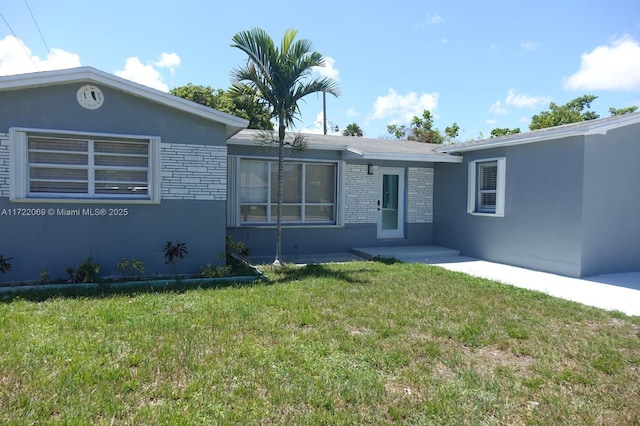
x=281, y=135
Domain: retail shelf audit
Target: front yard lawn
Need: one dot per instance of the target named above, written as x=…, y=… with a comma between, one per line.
x=354, y=343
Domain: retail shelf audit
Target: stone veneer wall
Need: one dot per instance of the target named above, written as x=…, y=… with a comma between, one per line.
x=420, y=195
x=4, y=166
x=361, y=195
x=194, y=172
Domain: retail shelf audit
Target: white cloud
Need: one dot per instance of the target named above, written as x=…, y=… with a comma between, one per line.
x=149, y=75
x=491, y=121
x=434, y=19
x=530, y=46
x=169, y=60
x=609, y=67
x=329, y=69
x=403, y=108
x=352, y=112
x=17, y=58
x=498, y=108
x=521, y=100
x=517, y=100
x=317, y=127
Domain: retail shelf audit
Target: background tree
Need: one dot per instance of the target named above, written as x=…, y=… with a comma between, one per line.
x=571, y=112
x=421, y=130
x=353, y=130
x=621, y=111
x=451, y=132
x=504, y=131
x=248, y=106
x=281, y=76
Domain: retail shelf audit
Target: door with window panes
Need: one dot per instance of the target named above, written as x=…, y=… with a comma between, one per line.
x=391, y=202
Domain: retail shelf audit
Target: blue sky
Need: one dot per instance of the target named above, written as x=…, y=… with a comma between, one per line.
x=481, y=64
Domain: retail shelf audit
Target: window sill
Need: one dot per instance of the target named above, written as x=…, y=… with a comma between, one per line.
x=486, y=214
x=300, y=226
x=84, y=201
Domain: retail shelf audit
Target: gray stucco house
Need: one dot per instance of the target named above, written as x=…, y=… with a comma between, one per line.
x=95, y=165
x=92, y=165
x=565, y=200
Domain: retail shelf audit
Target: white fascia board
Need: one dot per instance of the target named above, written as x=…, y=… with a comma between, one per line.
x=510, y=142
x=587, y=128
x=232, y=123
x=428, y=158
x=255, y=142
x=353, y=153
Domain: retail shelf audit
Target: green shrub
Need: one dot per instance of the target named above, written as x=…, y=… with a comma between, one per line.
x=209, y=271
x=88, y=271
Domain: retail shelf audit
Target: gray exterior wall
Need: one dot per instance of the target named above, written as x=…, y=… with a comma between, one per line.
x=611, y=222
x=542, y=225
x=359, y=209
x=319, y=240
x=193, y=176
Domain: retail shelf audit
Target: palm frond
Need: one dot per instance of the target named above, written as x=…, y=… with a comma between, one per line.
x=287, y=39
x=281, y=76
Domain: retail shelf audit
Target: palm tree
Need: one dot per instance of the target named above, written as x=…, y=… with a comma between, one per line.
x=353, y=130
x=281, y=76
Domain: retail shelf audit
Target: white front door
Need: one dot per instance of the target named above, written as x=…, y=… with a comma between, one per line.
x=391, y=202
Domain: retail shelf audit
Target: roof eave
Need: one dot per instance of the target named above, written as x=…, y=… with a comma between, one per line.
x=352, y=153
x=420, y=158
x=588, y=129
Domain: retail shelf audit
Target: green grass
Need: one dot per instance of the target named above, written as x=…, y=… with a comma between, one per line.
x=357, y=343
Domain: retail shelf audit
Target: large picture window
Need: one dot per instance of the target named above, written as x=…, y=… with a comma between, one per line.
x=487, y=187
x=75, y=166
x=309, y=192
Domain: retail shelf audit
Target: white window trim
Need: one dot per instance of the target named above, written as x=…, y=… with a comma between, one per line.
x=472, y=189
x=233, y=202
x=19, y=169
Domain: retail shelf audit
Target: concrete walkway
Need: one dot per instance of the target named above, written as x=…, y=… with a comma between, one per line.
x=620, y=292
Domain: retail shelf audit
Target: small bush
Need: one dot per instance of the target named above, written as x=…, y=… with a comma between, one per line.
x=235, y=250
x=174, y=252
x=87, y=271
x=209, y=271
x=133, y=266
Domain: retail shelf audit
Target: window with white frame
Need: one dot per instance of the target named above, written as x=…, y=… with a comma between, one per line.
x=309, y=192
x=70, y=165
x=486, y=191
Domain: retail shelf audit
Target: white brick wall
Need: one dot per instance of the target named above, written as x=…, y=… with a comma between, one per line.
x=420, y=195
x=360, y=195
x=194, y=172
x=4, y=166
